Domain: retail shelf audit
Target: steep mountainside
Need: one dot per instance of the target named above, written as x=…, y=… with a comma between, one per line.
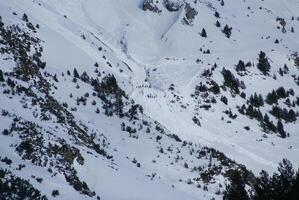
x=145, y=99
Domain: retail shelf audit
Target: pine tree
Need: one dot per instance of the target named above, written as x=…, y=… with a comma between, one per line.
x=283, y=185
x=263, y=63
x=282, y=182
x=25, y=18
x=266, y=118
x=261, y=100
x=294, y=194
x=218, y=24
x=231, y=81
x=291, y=116
x=276, y=111
x=240, y=66
x=84, y=77
x=281, y=92
x=256, y=100
x=236, y=190
x=250, y=111
x=285, y=69
x=222, y=3
x=203, y=33
x=1, y=76
x=216, y=14
x=280, y=129
x=272, y=98
x=263, y=187
x=227, y=31
x=268, y=125
x=55, y=78
x=76, y=74
x=280, y=72
x=1, y=23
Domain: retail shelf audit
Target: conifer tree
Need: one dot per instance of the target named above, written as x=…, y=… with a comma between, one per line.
x=291, y=116
x=282, y=182
x=216, y=14
x=25, y=18
x=76, y=74
x=222, y=3
x=236, y=190
x=263, y=187
x=261, y=100
x=294, y=193
x=1, y=76
x=227, y=31
x=281, y=92
x=203, y=33
x=283, y=185
x=263, y=63
x=240, y=66
x=272, y=98
x=1, y=23
x=280, y=129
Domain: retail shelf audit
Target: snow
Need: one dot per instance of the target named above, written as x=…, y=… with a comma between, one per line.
x=161, y=49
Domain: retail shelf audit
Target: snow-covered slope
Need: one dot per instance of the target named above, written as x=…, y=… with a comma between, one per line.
x=132, y=100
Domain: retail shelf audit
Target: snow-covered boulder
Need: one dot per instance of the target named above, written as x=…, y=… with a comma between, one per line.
x=173, y=5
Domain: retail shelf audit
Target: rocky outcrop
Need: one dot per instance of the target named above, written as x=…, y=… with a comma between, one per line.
x=190, y=14
x=173, y=5
x=151, y=6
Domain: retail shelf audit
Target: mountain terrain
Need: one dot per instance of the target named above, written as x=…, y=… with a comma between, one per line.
x=145, y=99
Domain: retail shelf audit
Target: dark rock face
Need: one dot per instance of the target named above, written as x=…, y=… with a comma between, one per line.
x=151, y=6
x=190, y=14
